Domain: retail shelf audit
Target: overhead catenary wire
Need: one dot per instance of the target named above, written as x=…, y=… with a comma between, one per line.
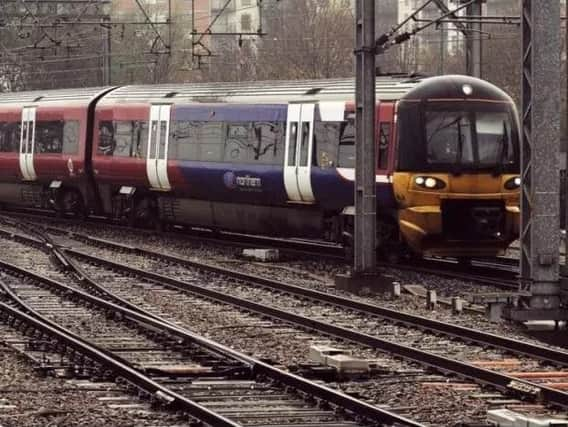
x=65, y=48
x=385, y=41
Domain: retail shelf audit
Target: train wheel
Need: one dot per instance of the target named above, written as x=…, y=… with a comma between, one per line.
x=145, y=213
x=389, y=246
x=70, y=202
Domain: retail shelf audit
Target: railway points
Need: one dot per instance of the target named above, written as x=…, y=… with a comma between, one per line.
x=126, y=252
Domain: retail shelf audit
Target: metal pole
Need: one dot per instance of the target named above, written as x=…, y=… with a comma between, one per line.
x=365, y=194
x=565, y=267
x=442, y=50
x=540, y=143
x=107, y=53
x=473, y=41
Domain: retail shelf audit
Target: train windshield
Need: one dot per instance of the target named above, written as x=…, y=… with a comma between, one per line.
x=459, y=140
x=469, y=138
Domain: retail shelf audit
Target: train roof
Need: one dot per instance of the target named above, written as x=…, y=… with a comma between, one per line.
x=267, y=92
x=456, y=87
x=388, y=88
x=74, y=97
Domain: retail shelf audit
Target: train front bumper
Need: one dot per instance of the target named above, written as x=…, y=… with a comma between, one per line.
x=423, y=230
x=460, y=216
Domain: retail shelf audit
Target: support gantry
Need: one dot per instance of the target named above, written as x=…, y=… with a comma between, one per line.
x=540, y=135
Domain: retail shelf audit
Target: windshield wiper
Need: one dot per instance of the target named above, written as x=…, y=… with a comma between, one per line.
x=459, y=152
x=440, y=128
x=502, y=150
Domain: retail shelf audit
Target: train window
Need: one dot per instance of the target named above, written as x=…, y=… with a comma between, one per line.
x=495, y=145
x=183, y=143
x=211, y=135
x=267, y=143
x=449, y=138
x=140, y=141
x=10, y=137
x=346, y=157
x=49, y=137
x=293, y=142
x=163, y=139
x=384, y=138
x=106, y=139
x=24, y=147
x=326, y=141
x=258, y=142
x=123, y=136
x=237, y=143
x=201, y=141
x=153, y=137
x=71, y=137
x=304, y=148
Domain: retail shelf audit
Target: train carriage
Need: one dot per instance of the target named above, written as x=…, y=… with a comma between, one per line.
x=272, y=157
x=44, y=148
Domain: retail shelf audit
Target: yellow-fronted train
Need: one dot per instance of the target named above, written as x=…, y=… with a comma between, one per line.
x=273, y=158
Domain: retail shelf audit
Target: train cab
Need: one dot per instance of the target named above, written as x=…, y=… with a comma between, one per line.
x=457, y=172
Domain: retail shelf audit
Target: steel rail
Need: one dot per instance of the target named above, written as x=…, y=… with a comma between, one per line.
x=502, y=382
x=557, y=357
x=120, y=368
x=351, y=404
x=329, y=251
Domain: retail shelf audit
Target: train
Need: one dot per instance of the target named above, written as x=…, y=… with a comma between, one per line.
x=273, y=158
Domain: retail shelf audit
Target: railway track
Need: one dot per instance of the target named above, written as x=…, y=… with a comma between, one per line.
x=500, y=273
x=441, y=357
x=171, y=365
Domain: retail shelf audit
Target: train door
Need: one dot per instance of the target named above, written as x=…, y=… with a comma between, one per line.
x=27, y=142
x=158, y=139
x=298, y=154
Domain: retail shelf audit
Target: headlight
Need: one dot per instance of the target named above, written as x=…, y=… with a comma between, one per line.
x=429, y=182
x=513, y=183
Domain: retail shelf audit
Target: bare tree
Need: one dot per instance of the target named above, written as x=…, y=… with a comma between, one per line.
x=308, y=39
x=42, y=45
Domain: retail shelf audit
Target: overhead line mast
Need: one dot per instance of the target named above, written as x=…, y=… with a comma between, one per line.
x=365, y=261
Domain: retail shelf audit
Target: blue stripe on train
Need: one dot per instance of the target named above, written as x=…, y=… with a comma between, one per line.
x=231, y=113
x=255, y=184
x=264, y=185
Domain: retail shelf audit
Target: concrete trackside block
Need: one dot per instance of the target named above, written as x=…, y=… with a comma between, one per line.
x=320, y=353
x=396, y=290
x=508, y=418
x=340, y=359
x=348, y=364
x=264, y=255
x=494, y=311
x=375, y=283
x=457, y=305
x=431, y=299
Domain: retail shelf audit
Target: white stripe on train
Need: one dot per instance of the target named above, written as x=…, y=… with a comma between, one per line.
x=349, y=174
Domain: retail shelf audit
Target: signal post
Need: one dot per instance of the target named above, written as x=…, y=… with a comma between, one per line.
x=540, y=137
